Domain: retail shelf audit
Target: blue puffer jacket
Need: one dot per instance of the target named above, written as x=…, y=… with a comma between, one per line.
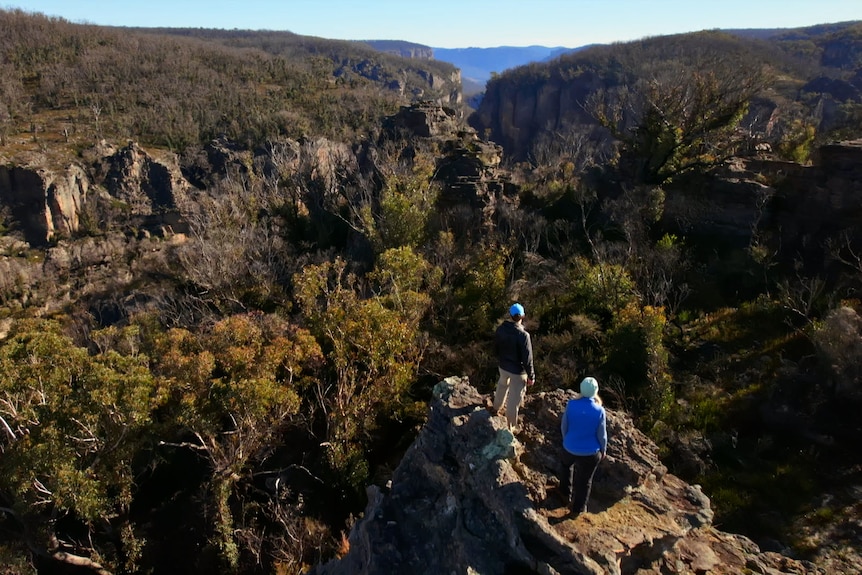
x=584, y=427
x=514, y=349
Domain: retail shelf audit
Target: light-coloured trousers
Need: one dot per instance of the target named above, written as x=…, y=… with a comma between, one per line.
x=510, y=389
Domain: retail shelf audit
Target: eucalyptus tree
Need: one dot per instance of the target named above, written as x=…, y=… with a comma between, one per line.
x=72, y=426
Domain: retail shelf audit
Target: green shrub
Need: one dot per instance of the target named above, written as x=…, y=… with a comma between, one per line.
x=481, y=299
x=798, y=143
x=636, y=353
x=600, y=288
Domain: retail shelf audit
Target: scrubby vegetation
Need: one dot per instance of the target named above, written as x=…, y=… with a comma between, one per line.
x=175, y=88
x=217, y=401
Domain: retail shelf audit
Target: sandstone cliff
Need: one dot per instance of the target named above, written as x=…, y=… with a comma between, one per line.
x=515, y=111
x=403, y=49
x=799, y=211
x=49, y=204
x=468, y=497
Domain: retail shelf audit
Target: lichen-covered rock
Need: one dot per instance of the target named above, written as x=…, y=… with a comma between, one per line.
x=469, y=498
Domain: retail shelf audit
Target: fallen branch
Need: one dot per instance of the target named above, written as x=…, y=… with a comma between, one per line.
x=53, y=552
x=79, y=561
x=75, y=560
x=194, y=446
x=8, y=429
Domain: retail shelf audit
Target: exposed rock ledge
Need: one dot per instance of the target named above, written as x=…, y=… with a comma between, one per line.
x=469, y=498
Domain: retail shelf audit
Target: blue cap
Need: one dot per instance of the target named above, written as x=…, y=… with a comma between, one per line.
x=516, y=309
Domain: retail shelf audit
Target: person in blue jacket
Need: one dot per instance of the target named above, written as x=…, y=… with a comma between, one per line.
x=585, y=443
x=515, y=364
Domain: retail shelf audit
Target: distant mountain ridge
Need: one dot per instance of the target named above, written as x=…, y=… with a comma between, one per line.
x=817, y=75
x=480, y=63
x=477, y=65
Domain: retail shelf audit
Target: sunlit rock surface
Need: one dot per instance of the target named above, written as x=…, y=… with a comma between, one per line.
x=468, y=497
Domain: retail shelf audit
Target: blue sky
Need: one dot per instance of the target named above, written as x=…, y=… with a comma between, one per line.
x=457, y=23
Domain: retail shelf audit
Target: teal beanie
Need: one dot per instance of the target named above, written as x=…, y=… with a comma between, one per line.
x=589, y=387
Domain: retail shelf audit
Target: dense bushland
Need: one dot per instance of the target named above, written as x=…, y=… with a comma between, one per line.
x=809, y=75
x=222, y=408
x=187, y=87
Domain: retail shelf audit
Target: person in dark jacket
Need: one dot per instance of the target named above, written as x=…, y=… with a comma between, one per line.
x=585, y=443
x=515, y=363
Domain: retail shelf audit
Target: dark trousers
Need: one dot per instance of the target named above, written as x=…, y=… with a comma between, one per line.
x=578, y=478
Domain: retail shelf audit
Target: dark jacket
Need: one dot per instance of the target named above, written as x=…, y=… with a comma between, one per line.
x=514, y=349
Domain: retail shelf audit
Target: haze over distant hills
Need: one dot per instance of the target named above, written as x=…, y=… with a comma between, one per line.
x=479, y=63
x=476, y=64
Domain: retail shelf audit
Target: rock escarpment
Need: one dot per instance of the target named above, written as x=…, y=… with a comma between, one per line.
x=517, y=110
x=403, y=49
x=152, y=190
x=47, y=203
x=800, y=211
x=50, y=204
x=468, y=497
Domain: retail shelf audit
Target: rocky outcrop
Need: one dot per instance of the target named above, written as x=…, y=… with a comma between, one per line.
x=822, y=204
x=425, y=120
x=798, y=209
x=468, y=168
x=469, y=497
x=428, y=80
x=146, y=184
x=46, y=203
x=475, y=186
x=226, y=157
